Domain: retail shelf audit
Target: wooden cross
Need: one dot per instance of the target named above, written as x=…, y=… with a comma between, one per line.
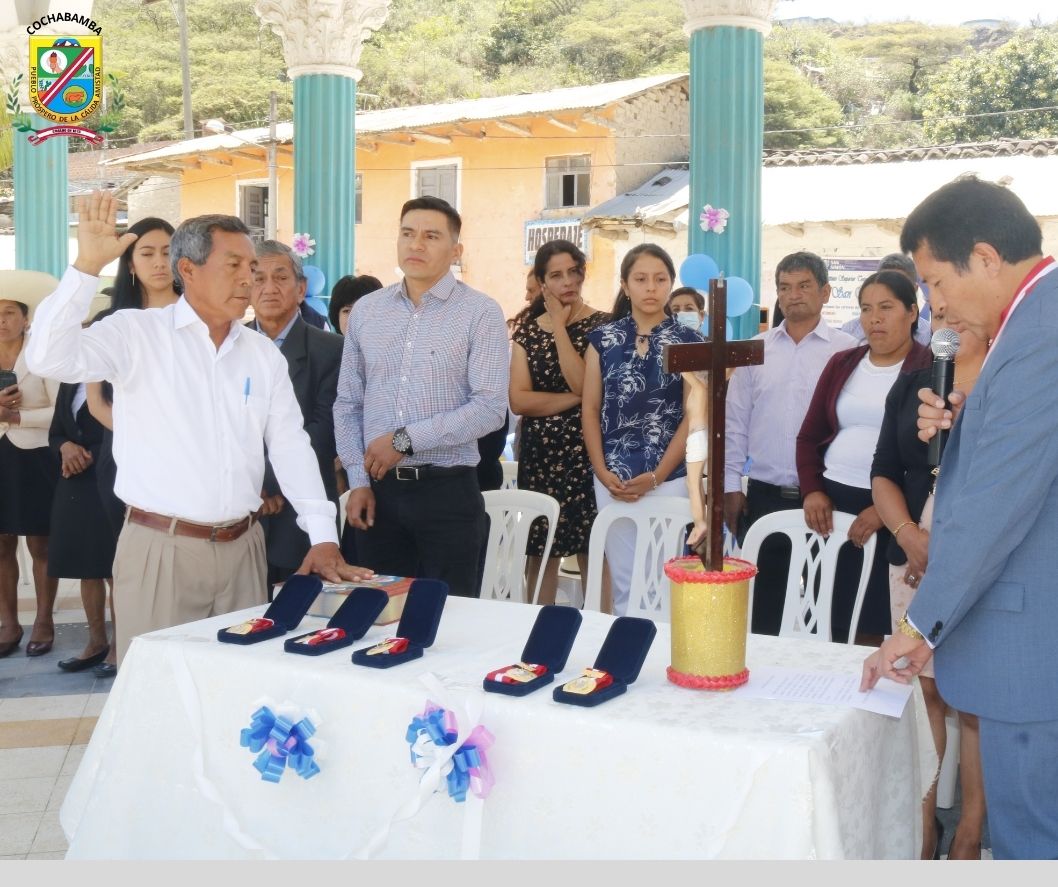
x=715, y=356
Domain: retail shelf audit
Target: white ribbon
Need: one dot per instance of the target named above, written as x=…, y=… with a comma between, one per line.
x=436, y=762
x=189, y=695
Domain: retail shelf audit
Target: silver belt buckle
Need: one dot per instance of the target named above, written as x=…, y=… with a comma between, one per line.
x=789, y=492
x=407, y=472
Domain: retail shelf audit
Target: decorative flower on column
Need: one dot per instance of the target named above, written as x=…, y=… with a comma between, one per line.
x=713, y=219
x=303, y=245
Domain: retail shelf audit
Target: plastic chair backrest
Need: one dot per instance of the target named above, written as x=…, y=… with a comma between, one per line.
x=510, y=475
x=511, y=515
x=810, y=582
x=661, y=531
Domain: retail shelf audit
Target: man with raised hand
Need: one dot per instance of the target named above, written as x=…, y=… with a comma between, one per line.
x=197, y=398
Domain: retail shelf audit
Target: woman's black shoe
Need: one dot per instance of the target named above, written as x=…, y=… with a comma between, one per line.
x=75, y=664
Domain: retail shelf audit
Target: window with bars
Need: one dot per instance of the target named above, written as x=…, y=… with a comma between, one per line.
x=568, y=181
x=253, y=210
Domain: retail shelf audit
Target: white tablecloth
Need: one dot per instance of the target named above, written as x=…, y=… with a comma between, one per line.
x=660, y=772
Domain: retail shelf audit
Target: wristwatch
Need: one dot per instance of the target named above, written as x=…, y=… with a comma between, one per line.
x=402, y=442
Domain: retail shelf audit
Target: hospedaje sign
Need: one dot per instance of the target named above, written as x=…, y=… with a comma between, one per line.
x=541, y=231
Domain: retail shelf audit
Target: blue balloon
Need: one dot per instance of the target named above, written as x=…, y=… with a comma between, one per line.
x=727, y=326
x=317, y=304
x=697, y=270
x=739, y=296
x=317, y=280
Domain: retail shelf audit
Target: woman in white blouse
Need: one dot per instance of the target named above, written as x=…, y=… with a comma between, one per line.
x=28, y=470
x=835, y=447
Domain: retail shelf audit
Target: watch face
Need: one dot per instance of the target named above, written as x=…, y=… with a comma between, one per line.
x=401, y=442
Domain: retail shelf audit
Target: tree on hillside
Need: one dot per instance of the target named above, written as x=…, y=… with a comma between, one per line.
x=908, y=52
x=1021, y=74
x=791, y=102
x=614, y=40
x=236, y=61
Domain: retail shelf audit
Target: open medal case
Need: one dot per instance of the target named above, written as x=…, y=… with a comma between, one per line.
x=288, y=608
x=548, y=646
x=418, y=626
x=350, y=622
x=621, y=657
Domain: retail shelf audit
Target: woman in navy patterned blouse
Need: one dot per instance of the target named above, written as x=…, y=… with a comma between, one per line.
x=632, y=414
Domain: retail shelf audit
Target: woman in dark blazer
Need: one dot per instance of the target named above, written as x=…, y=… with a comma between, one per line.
x=82, y=543
x=835, y=447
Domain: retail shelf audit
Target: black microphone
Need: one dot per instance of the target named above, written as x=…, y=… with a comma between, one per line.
x=944, y=345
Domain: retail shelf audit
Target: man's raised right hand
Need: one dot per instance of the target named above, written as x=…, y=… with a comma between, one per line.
x=98, y=243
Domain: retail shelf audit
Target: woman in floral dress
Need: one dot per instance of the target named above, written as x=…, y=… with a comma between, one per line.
x=547, y=373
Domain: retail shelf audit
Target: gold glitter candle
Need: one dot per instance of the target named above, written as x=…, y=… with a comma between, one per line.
x=709, y=623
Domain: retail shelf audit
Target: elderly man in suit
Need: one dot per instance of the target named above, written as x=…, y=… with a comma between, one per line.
x=987, y=607
x=314, y=358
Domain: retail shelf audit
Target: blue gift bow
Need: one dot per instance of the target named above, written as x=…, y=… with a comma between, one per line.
x=439, y=725
x=281, y=743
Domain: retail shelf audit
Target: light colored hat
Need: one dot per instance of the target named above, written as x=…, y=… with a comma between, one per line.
x=27, y=287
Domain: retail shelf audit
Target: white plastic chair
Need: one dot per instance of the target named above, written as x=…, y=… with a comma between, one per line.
x=510, y=475
x=511, y=514
x=661, y=531
x=570, y=583
x=949, y=766
x=25, y=563
x=809, y=599
x=343, y=500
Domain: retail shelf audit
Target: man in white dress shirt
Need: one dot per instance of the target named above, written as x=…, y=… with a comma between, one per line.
x=197, y=397
x=766, y=405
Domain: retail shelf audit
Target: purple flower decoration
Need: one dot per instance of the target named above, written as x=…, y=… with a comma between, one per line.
x=303, y=245
x=713, y=219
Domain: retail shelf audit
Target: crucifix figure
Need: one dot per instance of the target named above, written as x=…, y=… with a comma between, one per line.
x=706, y=407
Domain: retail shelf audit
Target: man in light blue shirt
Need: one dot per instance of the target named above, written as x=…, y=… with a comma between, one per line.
x=424, y=376
x=766, y=406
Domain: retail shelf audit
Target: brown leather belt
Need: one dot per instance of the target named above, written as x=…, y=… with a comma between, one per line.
x=222, y=533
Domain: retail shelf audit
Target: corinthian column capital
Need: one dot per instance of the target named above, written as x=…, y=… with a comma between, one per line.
x=323, y=36
x=753, y=14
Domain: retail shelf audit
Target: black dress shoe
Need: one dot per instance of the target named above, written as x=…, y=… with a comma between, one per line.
x=9, y=647
x=38, y=648
x=75, y=664
x=105, y=670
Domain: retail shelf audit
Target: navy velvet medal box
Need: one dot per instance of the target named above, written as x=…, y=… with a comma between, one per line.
x=418, y=623
x=286, y=611
x=355, y=616
x=622, y=655
x=549, y=644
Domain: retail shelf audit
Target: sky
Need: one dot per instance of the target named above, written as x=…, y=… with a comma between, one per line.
x=950, y=12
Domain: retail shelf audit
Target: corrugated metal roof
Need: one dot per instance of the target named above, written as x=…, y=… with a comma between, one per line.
x=573, y=98
x=657, y=196
x=860, y=192
x=422, y=116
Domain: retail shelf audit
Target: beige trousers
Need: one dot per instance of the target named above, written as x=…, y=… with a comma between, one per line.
x=161, y=580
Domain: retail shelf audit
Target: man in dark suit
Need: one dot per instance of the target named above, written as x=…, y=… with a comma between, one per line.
x=986, y=609
x=314, y=358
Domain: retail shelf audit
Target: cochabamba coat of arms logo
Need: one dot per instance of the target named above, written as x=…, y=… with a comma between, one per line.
x=66, y=88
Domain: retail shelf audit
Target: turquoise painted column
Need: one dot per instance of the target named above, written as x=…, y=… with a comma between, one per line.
x=321, y=45
x=727, y=135
x=41, y=203
x=325, y=170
